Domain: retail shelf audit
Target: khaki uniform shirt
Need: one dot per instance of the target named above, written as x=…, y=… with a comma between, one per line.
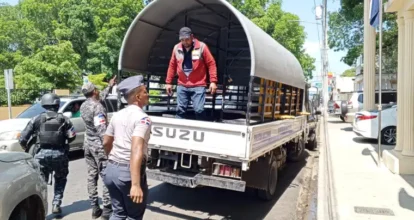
x=130, y=121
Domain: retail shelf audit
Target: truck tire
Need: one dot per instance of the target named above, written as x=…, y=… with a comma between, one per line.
x=296, y=151
x=272, y=177
x=312, y=144
x=342, y=118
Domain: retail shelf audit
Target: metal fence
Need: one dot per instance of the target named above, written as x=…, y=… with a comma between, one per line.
x=21, y=96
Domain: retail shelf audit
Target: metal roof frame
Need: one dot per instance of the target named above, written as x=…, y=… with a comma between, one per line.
x=148, y=43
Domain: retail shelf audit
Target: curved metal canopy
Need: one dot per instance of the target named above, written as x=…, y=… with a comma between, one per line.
x=241, y=49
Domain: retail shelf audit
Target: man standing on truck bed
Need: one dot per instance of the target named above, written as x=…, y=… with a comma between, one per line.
x=190, y=60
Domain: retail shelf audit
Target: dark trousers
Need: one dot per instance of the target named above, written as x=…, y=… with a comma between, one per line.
x=57, y=161
x=195, y=94
x=117, y=179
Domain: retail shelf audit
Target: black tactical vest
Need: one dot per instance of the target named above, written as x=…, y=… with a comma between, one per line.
x=52, y=132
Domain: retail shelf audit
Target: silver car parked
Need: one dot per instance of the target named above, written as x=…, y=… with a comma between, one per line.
x=10, y=129
x=23, y=191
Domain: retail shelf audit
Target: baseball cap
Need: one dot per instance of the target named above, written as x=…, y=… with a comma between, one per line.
x=130, y=83
x=185, y=32
x=88, y=88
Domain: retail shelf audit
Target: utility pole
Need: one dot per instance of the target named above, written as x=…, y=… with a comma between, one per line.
x=325, y=58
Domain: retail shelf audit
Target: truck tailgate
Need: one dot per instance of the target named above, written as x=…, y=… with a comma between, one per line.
x=199, y=137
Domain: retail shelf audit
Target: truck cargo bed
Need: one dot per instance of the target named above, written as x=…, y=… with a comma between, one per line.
x=234, y=142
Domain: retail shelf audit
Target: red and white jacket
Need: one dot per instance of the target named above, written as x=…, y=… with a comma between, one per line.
x=203, y=61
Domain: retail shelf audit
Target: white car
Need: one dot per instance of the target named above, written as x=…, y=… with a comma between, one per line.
x=23, y=191
x=356, y=102
x=10, y=129
x=366, y=124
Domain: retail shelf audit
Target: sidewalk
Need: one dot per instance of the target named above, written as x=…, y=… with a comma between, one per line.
x=356, y=187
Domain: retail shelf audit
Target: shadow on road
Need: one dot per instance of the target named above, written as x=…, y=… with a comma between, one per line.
x=362, y=140
x=336, y=122
x=78, y=206
x=405, y=200
x=347, y=129
x=76, y=155
x=374, y=144
x=217, y=202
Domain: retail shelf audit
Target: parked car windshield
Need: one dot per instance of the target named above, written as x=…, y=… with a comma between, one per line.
x=34, y=110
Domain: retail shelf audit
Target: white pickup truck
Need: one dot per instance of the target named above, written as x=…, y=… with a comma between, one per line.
x=255, y=122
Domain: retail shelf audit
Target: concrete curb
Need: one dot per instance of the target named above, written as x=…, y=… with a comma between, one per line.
x=326, y=190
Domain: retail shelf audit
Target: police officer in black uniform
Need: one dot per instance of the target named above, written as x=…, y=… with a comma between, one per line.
x=54, y=132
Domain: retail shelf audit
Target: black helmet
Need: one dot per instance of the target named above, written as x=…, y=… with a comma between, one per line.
x=50, y=99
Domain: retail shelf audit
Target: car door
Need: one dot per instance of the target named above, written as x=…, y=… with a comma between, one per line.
x=110, y=105
x=78, y=124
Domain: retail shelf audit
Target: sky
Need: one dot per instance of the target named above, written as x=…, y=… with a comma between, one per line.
x=306, y=12
x=305, y=9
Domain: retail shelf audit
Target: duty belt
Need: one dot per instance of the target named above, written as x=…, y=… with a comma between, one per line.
x=126, y=164
x=52, y=147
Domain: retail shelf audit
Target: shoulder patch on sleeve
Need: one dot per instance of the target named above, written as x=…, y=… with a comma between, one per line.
x=146, y=121
x=99, y=119
x=71, y=132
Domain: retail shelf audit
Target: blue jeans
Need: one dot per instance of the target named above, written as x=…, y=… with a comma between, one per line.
x=197, y=95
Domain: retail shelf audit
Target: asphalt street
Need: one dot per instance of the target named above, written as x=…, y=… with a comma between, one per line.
x=172, y=202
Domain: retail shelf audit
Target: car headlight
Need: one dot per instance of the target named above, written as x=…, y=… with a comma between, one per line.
x=10, y=135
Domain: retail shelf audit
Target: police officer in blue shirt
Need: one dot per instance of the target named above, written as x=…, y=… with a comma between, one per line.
x=126, y=143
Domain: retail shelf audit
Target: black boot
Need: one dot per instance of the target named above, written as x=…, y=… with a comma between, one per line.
x=56, y=209
x=96, y=212
x=107, y=211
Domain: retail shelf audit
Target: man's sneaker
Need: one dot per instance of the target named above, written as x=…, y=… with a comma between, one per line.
x=96, y=212
x=107, y=211
x=56, y=209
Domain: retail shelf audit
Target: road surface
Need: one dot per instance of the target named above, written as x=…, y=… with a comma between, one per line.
x=171, y=202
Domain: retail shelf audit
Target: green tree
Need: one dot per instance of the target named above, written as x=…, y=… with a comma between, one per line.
x=346, y=33
x=98, y=80
x=53, y=67
x=18, y=37
x=112, y=19
x=77, y=25
x=269, y=16
x=348, y=73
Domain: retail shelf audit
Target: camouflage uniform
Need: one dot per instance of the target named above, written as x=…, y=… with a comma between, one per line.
x=95, y=117
x=51, y=160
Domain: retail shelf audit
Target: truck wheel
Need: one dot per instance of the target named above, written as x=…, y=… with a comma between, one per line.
x=270, y=191
x=312, y=145
x=296, y=151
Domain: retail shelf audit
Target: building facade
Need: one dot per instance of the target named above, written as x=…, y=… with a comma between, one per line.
x=401, y=159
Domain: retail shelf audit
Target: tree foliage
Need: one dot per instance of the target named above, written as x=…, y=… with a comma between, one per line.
x=280, y=25
x=53, y=43
x=346, y=32
x=53, y=67
x=349, y=73
x=98, y=80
